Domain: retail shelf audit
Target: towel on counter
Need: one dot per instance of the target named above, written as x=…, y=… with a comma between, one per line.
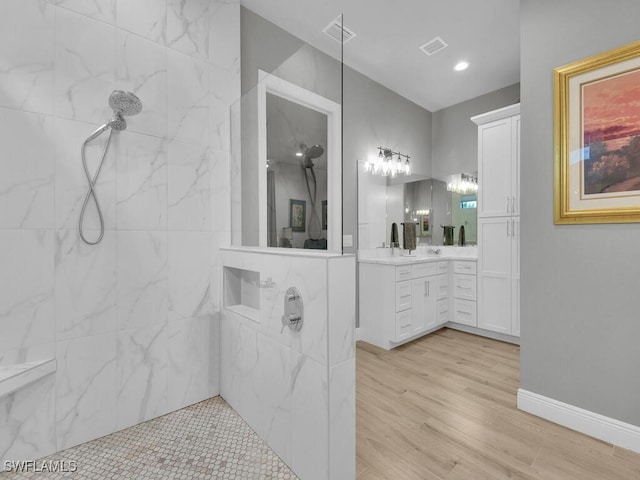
x=409, y=236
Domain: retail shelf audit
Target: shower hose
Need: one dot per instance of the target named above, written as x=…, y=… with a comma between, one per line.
x=92, y=183
x=314, y=213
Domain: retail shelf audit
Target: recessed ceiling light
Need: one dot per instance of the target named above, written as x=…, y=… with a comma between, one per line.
x=460, y=66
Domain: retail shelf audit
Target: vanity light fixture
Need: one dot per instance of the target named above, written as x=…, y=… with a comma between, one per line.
x=385, y=164
x=464, y=184
x=460, y=66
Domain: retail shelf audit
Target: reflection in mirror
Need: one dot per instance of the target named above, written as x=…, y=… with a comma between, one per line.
x=299, y=191
x=296, y=175
x=427, y=202
x=463, y=190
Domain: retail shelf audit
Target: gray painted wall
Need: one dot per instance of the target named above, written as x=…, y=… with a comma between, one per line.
x=455, y=137
x=373, y=114
x=580, y=284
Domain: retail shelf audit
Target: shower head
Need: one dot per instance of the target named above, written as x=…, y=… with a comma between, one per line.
x=118, y=122
x=314, y=151
x=124, y=103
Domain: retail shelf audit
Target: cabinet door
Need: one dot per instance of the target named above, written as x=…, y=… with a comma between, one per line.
x=494, y=168
x=515, y=166
x=515, y=276
x=494, y=274
x=423, y=310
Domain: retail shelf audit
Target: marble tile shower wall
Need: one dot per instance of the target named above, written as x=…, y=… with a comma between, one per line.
x=132, y=321
x=296, y=389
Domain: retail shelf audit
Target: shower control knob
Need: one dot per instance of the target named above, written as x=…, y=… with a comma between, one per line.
x=293, y=321
x=293, y=310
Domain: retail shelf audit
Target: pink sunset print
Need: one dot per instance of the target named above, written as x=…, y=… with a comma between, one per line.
x=611, y=126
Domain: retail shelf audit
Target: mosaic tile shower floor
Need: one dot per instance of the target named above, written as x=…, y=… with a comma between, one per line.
x=207, y=440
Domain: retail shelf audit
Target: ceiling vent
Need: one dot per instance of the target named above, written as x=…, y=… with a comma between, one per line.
x=335, y=29
x=433, y=46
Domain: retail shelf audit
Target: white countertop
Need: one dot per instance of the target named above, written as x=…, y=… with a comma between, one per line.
x=385, y=256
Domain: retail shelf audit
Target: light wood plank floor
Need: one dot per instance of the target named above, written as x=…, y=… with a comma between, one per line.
x=444, y=408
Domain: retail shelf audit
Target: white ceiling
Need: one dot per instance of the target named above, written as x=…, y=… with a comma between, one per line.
x=485, y=33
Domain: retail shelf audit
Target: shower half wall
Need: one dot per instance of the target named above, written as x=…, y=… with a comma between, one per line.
x=296, y=389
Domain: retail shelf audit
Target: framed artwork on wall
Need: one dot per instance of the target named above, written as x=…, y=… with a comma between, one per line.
x=297, y=215
x=597, y=138
x=424, y=225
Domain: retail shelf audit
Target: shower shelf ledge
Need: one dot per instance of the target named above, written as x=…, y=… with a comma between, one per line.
x=14, y=377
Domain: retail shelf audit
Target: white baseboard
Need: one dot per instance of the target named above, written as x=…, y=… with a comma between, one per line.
x=607, y=429
x=358, y=334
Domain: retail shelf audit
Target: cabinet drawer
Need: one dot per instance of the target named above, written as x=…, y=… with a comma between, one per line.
x=464, y=266
x=442, y=311
x=403, y=325
x=443, y=286
x=403, y=295
x=443, y=268
x=464, y=286
x=424, y=269
x=464, y=311
x=403, y=273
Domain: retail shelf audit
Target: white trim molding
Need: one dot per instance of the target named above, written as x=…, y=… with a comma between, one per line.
x=289, y=91
x=607, y=429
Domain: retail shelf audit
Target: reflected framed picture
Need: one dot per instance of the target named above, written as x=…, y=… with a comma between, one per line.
x=297, y=215
x=424, y=225
x=597, y=138
x=324, y=214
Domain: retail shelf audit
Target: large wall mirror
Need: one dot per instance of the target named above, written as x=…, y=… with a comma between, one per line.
x=299, y=167
x=429, y=202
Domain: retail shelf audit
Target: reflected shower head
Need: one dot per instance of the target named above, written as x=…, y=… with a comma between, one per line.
x=314, y=151
x=125, y=103
x=310, y=153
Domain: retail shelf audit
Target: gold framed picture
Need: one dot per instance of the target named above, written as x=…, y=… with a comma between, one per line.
x=597, y=138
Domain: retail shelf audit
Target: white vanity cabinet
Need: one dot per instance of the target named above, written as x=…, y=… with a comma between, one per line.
x=464, y=293
x=401, y=302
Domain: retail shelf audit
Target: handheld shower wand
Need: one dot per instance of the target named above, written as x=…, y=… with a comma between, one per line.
x=122, y=103
x=311, y=153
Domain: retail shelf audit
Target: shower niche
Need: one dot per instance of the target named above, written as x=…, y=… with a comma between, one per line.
x=241, y=292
